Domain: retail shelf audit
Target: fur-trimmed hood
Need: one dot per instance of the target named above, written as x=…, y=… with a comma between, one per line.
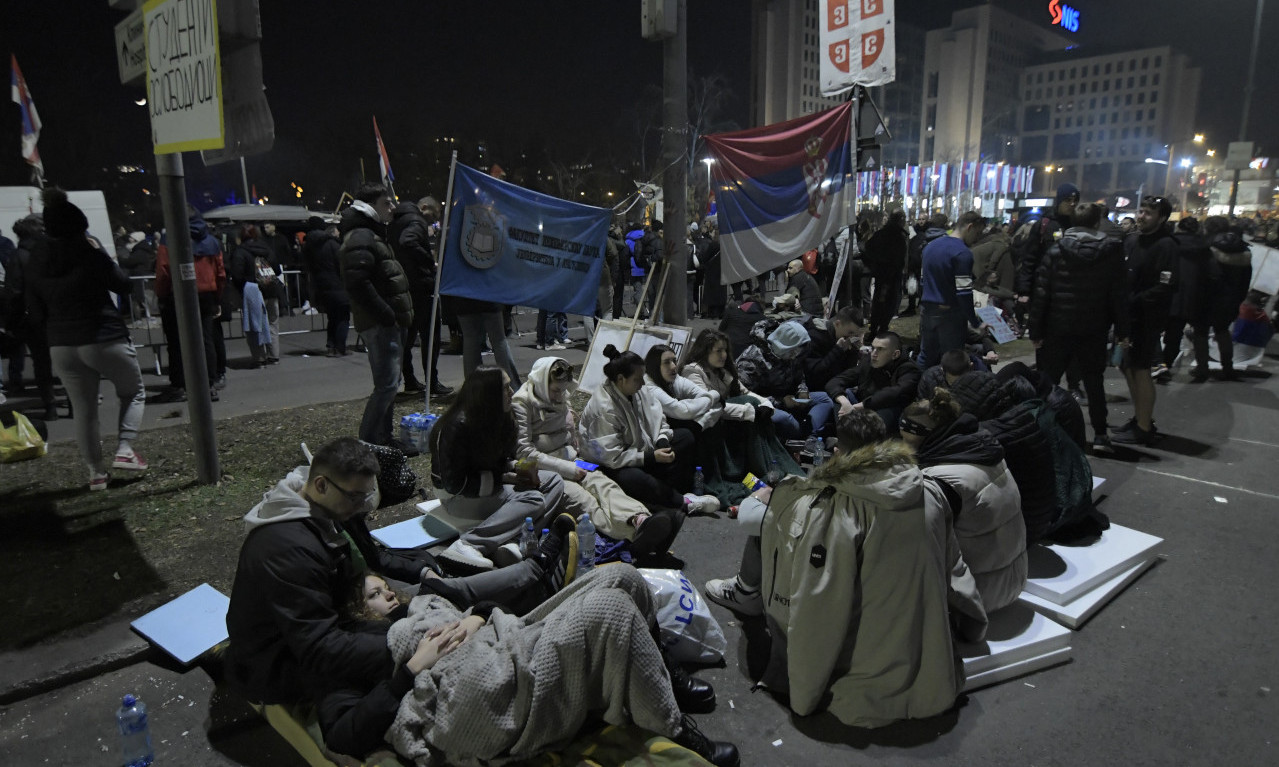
x=884, y=473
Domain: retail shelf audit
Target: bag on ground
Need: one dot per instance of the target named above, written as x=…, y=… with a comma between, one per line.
x=19, y=439
x=396, y=481
x=690, y=633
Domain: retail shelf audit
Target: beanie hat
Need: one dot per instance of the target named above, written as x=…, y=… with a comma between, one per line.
x=62, y=218
x=1066, y=191
x=787, y=340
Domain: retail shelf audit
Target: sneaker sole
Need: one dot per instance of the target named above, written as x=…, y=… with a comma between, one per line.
x=129, y=466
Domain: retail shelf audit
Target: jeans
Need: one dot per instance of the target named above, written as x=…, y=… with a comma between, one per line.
x=81, y=369
x=821, y=412
x=474, y=328
x=385, y=350
x=271, y=350
x=940, y=330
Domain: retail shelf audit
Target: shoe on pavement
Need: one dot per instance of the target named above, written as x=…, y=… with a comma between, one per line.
x=410, y=451
x=728, y=592
x=556, y=347
x=463, y=553
x=653, y=536
x=129, y=462
x=213, y=394
x=220, y=382
x=558, y=552
x=171, y=394
x=412, y=384
x=440, y=390
x=692, y=695
x=701, y=504
x=1132, y=434
x=1079, y=395
x=1160, y=372
x=720, y=753
x=1101, y=445
x=99, y=481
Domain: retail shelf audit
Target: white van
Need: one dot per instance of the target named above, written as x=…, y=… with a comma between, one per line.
x=19, y=201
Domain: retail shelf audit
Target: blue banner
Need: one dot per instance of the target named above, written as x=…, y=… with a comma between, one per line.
x=512, y=246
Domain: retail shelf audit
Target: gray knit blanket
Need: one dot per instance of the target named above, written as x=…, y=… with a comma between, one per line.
x=522, y=686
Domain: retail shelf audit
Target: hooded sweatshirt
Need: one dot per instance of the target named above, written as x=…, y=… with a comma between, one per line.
x=210, y=272
x=545, y=430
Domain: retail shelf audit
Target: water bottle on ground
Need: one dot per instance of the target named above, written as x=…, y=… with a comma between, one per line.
x=135, y=735
x=407, y=436
x=428, y=420
x=585, y=543
x=699, y=482
x=528, y=539
x=819, y=451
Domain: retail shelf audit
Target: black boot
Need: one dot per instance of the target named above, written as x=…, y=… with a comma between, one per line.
x=720, y=753
x=692, y=694
x=440, y=390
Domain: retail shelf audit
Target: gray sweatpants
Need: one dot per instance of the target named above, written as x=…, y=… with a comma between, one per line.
x=81, y=369
x=504, y=511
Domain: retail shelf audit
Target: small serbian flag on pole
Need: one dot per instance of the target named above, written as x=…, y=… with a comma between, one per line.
x=383, y=162
x=781, y=189
x=30, y=118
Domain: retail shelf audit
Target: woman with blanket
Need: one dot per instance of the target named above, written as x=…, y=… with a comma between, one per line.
x=482, y=687
x=250, y=263
x=473, y=462
x=737, y=434
x=967, y=465
x=546, y=434
x=626, y=433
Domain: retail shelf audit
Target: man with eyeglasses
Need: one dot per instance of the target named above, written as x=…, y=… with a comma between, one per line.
x=307, y=545
x=1152, y=282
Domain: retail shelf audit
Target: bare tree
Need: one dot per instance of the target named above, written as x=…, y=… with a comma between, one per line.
x=708, y=101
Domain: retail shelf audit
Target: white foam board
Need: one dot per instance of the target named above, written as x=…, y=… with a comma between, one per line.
x=187, y=626
x=1061, y=574
x=1097, y=482
x=1016, y=634
x=1012, y=671
x=1077, y=611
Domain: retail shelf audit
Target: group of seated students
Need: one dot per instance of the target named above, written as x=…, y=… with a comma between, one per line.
x=865, y=570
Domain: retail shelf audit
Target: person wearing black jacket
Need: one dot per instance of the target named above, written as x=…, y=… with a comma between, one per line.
x=1152, y=282
x=1198, y=280
x=885, y=258
x=263, y=337
x=1235, y=262
x=29, y=230
x=1079, y=294
x=306, y=542
x=801, y=284
x=409, y=235
x=883, y=381
x=324, y=270
x=738, y=321
x=67, y=284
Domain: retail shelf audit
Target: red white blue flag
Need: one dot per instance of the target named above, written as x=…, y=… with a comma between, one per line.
x=383, y=162
x=780, y=189
x=30, y=118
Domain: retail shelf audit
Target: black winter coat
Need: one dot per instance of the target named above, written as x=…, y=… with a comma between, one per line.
x=1030, y=460
x=374, y=281
x=1198, y=279
x=65, y=287
x=410, y=237
x=737, y=324
x=1080, y=288
x=981, y=393
x=1235, y=261
x=885, y=254
x=320, y=256
x=825, y=358
x=242, y=269
x=1152, y=276
x=893, y=385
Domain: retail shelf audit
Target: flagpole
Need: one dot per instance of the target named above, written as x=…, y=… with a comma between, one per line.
x=439, y=269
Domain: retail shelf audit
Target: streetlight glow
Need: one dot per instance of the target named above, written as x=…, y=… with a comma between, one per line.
x=1199, y=138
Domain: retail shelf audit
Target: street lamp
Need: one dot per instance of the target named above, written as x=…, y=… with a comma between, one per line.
x=709, y=162
x=1051, y=170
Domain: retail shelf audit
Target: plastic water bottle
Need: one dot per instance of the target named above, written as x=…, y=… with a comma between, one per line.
x=585, y=543
x=428, y=423
x=801, y=392
x=528, y=539
x=699, y=482
x=774, y=473
x=407, y=435
x=819, y=451
x=546, y=531
x=135, y=735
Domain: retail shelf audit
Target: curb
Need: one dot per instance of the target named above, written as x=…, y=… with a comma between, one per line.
x=41, y=668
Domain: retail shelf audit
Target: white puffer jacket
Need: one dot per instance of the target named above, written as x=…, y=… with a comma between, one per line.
x=618, y=431
x=720, y=381
x=690, y=402
x=544, y=429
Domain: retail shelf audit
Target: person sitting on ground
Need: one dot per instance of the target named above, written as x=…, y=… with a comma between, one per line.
x=884, y=381
x=833, y=346
x=304, y=540
x=473, y=461
x=683, y=402
x=546, y=434
x=954, y=364
x=771, y=366
x=626, y=433
x=967, y=465
x=801, y=284
x=484, y=687
x=840, y=548
x=739, y=320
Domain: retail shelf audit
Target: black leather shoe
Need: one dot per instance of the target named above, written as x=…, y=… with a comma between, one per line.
x=440, y=390
x=720, y=753
x=412, y=384
x=692, y=694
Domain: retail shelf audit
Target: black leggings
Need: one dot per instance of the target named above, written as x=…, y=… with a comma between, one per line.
x=659, y=485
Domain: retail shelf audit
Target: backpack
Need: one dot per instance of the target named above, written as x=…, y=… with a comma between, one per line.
x=1028, y=237
x=396, y=481
x=263, y=273
x=1070, y=464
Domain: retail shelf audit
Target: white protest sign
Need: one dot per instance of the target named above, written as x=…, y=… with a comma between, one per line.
x=184, y=75
x=998, y=328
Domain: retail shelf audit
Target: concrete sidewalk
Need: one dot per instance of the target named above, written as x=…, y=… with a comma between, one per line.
x=1177, y=670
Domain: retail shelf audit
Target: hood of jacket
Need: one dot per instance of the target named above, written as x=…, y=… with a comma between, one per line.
x=933, y=232
x=284, y=502
x=406, y=208
x=203, y=243
x=1088, y=245
x=979, y=392
x=884, y=474
x=1230, y=249
x=961, y=442
x=257, y=248
x=536, y=389
x=361, y=215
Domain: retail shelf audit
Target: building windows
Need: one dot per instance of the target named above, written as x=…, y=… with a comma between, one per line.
x=1142, y=81
x=1105, y=85
x=1105, y=101
x=1050, y=75
x=1159, y=61
x=1130, y=82
x=1092, y=103
x=1070, y=90
x=1101, y=120
x=1094, y=86
x=1107, y=67
x=1057, y=124
x=932, y=85
x=1128, y=100
x=1154, y=96
x=1145, y=63
x=1028, y=95
x=1150, y=115
x=1039, y=78
x=1141, y=98
x=1154, y=80
x=1094, y=70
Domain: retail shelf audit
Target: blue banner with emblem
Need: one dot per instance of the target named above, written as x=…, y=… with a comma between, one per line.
x=513, y=246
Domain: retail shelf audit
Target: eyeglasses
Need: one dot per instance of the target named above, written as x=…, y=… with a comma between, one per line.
x=354, y=496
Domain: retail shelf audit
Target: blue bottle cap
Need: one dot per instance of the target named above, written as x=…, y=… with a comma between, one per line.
x=129, y=701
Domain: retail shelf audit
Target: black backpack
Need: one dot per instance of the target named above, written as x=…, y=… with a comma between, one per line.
x=1028, y=238
x=396, y=481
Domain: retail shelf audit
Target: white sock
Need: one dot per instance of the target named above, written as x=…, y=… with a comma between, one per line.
x=125, y=448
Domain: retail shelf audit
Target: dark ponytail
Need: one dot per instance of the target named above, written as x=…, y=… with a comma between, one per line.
x=621, y=364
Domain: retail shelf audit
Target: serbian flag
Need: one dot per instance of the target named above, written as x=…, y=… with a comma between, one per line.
x=781, y=189
x=30, y=118
x=383, y=162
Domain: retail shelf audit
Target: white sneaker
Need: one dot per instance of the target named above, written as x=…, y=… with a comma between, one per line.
x=464, y=553
x=701, y=504
x=507, y=555
x=727, y=592
x=556, y=347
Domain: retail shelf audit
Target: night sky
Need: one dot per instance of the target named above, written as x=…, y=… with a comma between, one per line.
x=535, y=78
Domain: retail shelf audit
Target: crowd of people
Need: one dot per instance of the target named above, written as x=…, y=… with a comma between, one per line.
x=867, y=567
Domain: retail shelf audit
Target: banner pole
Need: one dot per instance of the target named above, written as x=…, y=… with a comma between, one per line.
x=439, y=269
x=639, y=307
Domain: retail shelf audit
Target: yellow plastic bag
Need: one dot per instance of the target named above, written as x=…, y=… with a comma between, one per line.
x=20, y=441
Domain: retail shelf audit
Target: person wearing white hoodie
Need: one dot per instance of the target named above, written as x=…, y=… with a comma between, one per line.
x=545, y=433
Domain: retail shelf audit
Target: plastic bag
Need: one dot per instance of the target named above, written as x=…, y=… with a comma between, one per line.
x=20, y=441
x=912, y=286
x=690, y=633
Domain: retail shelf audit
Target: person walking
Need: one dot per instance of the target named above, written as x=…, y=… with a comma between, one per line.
x=328, y=294
x=947, y=301
x=380, y=305
x=29, y=229
x=88, y=340
x=258, y=281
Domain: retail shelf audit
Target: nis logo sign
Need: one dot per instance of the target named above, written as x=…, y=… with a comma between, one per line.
x=1063, y=15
